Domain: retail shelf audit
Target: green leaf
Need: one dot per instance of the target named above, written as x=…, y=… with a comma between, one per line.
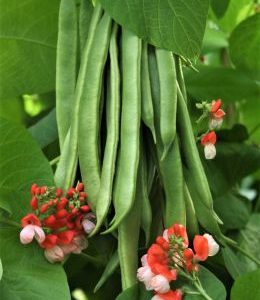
x=213, y=83
x=219, y=7
x=245, y=45
x=28, y=35
x=232, y=211
x=26, y=273
x=237, y=11
x=165, y=24
x=214, y=39
x=232, y=162
x=45, y=131
x=249, y=239
x=21, y=159
x=211, y=284
x=232, y=263
x=247, y=287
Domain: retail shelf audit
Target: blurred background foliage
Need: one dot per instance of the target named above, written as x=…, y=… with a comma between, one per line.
x=228, y=68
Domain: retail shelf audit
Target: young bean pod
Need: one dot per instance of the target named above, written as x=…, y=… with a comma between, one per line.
x=65, y=172
x=113, y=109
x=125, y=184
x=89, y=114
x=66, y=66
x=147, y=104
x=168, y=98
x=85, y=13
x=192, y=222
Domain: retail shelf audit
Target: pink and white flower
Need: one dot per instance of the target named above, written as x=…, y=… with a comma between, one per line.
x=54, y=254
x=216, y=115
x=208, y=141
x=160, y=284
x=212, y=244
x=145, y=275
x=32, y=231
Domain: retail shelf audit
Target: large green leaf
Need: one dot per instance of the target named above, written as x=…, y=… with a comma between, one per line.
x=175, y=25
x=28, y=35
x=26, y=273
x=213, y=83
x=232, y=263
x=245, y=45
x=21, y=159
x=247, y=287
x=219, y=7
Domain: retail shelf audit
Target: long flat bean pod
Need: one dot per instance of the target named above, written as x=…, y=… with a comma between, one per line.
x=190, y=153
x=85, y=12
x=128, y=237
x=168, y=97
x=66, y=66
x=147, y=104
x=172, y=179
x=109, y=161
x=65, y=172
x=89, y=123
x=192, y=222
x=125, y=184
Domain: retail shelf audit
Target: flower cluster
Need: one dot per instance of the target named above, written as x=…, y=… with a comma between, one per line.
x=169, y=257
x=216, y=115
x=58, y=222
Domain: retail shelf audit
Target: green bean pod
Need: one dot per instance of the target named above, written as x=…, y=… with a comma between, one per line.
x=89, y=113
x=85, y=12
x=180, y=77
x=128, y=238
x=190, y=152
x=146, y=210
x=125, y=183
x=66, y=66
x=192, y=222
x=147, y=104
x=172, y=180
x=65, y=172
x=113, y=113
x=168, y=97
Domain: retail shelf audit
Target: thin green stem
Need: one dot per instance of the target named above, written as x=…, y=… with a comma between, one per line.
x=201, y=290
x=54, y=161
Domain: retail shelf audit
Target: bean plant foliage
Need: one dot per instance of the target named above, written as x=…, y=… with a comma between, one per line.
x=129, y=149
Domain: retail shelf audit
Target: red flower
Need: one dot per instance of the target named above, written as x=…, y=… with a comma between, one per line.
x=160, y=269
x=50, y=241
x=179, y=231
x=50, y=221
x=209, y=138
x=216, y=112
x=65, y=237
x=34, y=203
x=201, y=247
x=62, y=213
x=171, y=295
x=30, y=219
x=62, y=203
x=71, y=192
x=58, y=192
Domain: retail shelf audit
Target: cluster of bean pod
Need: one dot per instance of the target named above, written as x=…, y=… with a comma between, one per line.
x=122, y=114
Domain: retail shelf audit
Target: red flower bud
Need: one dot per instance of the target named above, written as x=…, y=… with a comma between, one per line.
x=70, y=225
x=74, y=211
x=58, y=192
x=50, y=221
x=50, y=241
x=33, y=188
x=209, y=138
x=85, y=208
x=38, y=191
x=201, y=247
x=34, y=203
x=43, y=190
x=55, y=201
x=70, y=192
x=62, y=213
x=43, y=208
x=215, y=105
x=65, y=237
x=188, y=254
x=30, y=219
x=50, y=202
x=80, y=187
x=62, y=203
x=83, y=195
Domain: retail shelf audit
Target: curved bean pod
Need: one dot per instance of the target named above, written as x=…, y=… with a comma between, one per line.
x=66, y=66
x=192, y=222
x=125, y=184
x=168, y=97
x=65, y=172
x=85, y=13
x=89, y=123
x=109, y=161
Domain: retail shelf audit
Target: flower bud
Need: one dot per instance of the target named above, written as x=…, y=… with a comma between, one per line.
x=213, y=245
x=27, y=234
x=34, y=203
x=145, y=275
x=80, y=187
x=54, y=254
x=210, y=151
x=88, y=226
x=44, y=208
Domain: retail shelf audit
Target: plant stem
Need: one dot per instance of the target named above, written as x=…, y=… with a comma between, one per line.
x=54, y=161
x=201, y=290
